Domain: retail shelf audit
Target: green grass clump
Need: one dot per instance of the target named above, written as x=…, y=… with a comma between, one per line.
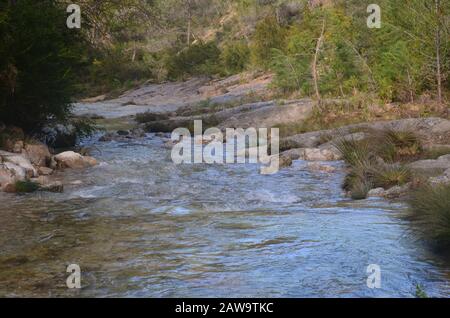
x=26, y=186
x=391, y=175
x=366, y=159
x=420, y=292
x=430, y=208
x=397, y=145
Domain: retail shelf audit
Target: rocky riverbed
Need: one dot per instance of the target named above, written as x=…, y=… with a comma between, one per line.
x=138, y=225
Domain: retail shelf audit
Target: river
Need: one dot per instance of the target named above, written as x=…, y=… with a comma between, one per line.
x=140, y=226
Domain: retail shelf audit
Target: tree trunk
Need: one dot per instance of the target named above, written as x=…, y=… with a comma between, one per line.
x=189, y=26
x=315, y=60
x=438, y=52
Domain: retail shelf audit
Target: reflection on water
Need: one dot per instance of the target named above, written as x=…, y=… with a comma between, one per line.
x=140, y=226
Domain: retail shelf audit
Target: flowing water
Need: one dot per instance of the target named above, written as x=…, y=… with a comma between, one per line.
x=140, y=226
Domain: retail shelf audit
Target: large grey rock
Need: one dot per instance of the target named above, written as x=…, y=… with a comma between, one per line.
x=431, y=167
x=432, y=130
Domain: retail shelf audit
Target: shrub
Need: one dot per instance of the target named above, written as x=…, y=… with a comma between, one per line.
x=235, y=57
x=360, y=189
x=197, y=59
x=354, y=152
x=26, y=186
x=430, y=208
x=391, y=175
x=397, y=145
x=268, y=35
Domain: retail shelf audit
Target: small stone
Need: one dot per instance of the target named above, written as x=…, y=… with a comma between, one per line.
x=314, y=166
x=56, y=187
x=44, y=171
x=285, y=161
x=9, y=188
x=378, y=192
x=18, y=146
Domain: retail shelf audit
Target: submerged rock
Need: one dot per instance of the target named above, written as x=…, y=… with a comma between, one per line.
x=315, y=166
x=378, y=192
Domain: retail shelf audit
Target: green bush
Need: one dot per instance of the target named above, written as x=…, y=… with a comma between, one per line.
x=430, y=208
x=268, y=35
x=197, y=59
x=39, y=59
x=397, y=145
x=235, y=57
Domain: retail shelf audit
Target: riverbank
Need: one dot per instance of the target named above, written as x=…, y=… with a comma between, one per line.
x=27, y=165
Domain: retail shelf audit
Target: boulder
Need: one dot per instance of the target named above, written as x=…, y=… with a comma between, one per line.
x=55, y=186
x=44, y=171
x=285, y=161
x=397, y=192
x=73, y=160
x=315, y=166
x=431, y=167
x=20, y=161
x=38, y=154
x=442, y=179
x=378, y=192
x=316, y=154
x=9, y=175
x=294, y=154
x=18, y=146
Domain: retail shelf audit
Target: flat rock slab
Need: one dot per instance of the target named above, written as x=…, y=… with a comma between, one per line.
x=169, y=97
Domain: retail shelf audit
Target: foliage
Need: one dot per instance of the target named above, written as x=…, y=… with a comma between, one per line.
x=365, y=159
x=197, y=59
x=430, y=208
x=389, y=176
x=268, y=35
x=39, y=58
x=235, y=57
x=397, y=145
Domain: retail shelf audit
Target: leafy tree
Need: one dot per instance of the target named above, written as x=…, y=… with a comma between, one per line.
x=268, y=35
x=39, y=58
x=235, y=57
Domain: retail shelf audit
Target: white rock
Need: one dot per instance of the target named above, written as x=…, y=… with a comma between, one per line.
x=70, y=159
x=314, y=166
x=10, y=174
x=20, y=161
x=378, y=192
x=315, y=154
